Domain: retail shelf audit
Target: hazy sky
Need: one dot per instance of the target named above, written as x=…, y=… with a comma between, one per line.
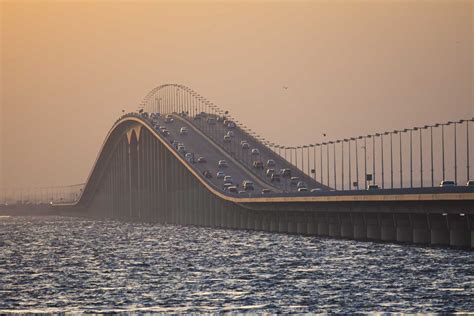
x=352, y=67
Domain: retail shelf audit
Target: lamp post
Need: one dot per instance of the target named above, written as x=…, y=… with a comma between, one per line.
x=365, y=160
x=467, y=147
x=342, y=164
x=321, y=161
x=411, y=155
x=432, y=159
x=334, y=163
x=442, y=150
x=401, y=160
x=357, y=161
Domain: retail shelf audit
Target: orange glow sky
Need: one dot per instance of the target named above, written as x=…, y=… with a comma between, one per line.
x=352, y=67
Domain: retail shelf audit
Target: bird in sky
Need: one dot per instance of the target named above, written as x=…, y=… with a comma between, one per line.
x=284, y=87
x=324, y=134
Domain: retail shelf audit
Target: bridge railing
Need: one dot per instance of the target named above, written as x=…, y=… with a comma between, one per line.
x=41, y=195
x=420, y=156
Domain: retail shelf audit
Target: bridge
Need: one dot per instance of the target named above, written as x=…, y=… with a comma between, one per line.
x=166, y=163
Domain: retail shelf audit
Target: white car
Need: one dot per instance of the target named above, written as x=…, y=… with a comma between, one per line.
x=270, y=163
x=183, y=131
x=226, y=139
x=255, y=151
x=222, y=164
x=228, y=179
x=230, y=133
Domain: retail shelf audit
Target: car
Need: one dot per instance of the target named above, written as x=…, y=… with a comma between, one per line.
x=243, y=142
x=197, y=117
x=182, y=149
x=270, y=163
x=316, y=190
x=294, y=180
x=188, y=155
x=257, y=165
x=183, y=131
x=207, y=174
x=302, y=189
x=285, y=173
x=228, y=179
x=220, y=175
x=275, y=177
x=266, y=191
x=447, y=183
x=255, y=152
x=220, y=119
x=222, y=164
x=242, y=192
x=211, y=121
x=227, y=139
x=226, y=186
x=169, y=119
x=372, y=187
x=248, y=185
x=232, y=189
x=165, y=132
x=230, y=133
x=202, y=160
x=470, y=183
x=301, y=184
x=270, y=172
x=245, y=146
x=231, y=125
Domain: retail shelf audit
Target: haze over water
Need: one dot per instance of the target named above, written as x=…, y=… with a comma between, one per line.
x=52, y=264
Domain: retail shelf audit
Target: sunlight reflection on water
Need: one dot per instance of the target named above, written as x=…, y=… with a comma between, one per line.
x=56, y=264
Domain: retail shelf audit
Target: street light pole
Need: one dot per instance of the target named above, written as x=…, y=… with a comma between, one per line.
x=467, y=147
x=442, y=149
x=455, y=155
x=432, y=160
x=401, y=160
x=421, y=157
x=334, y=165
x=411, y=158
x=357, y=163
x=365, y=160
x=381, y=156
x=342, y=164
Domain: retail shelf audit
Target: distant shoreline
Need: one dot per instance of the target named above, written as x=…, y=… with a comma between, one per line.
x=28, y=210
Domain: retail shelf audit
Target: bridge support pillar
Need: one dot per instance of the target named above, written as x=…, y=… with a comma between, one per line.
x=404, y=229
x=283, y=224
x=373, y=226
x=259, y=222
x=334, y=226
x=439, y=232
x=421, y=230
x=301, y=228
x=274, y=224
x=292, y=225
x=387, y=226
x=459, y=234
x=312, y=228
x=360, y=229
x=323, y=226
x=347, y=227
x=266, y=224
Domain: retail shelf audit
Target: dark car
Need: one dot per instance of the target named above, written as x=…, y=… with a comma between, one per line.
x=207, y=174
x=285, y=173
x=258, y=164
x=275, y=177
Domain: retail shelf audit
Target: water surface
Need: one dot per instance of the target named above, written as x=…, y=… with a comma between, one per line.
x=59, y=264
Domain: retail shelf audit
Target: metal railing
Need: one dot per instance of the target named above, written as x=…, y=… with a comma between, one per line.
x=421, y=156
x=41, y=195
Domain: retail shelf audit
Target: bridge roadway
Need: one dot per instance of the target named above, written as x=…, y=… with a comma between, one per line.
x=198, y=144
x=217, y=131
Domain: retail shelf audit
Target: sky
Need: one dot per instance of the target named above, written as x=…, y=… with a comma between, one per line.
x=68, y=68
